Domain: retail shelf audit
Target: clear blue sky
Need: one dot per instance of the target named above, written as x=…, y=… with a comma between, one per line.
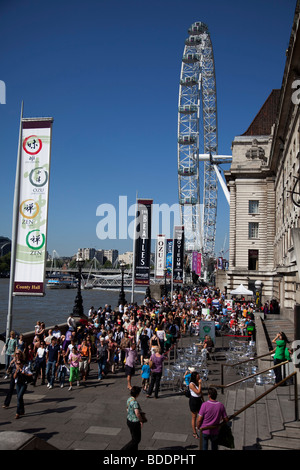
x=108, y=73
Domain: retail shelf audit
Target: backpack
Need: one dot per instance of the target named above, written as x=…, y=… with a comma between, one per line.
x=173, y=330
x=102, y=352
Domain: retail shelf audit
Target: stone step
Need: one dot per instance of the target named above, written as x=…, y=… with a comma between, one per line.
x=268, y=412
x=292, y=425
x=268, y=424
x=262, y=425
x=279, y=443
x=244, y=424
x=288, y=433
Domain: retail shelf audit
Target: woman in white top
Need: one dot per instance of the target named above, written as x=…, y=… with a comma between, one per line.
x=160, y=333
x=196, y=399
x=40, y=363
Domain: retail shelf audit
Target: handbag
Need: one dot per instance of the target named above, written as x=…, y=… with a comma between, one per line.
x=287, y=354
x=225, y=437
x=187, y=393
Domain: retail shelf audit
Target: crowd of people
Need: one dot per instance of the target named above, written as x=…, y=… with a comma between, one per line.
x=119, y=340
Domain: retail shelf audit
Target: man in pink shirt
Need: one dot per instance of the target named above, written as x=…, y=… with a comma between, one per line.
x=212, y=413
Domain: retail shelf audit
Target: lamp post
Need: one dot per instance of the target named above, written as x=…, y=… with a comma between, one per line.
x=258, y=289
x=78, y=306
x=165, y=275
x=122, y=300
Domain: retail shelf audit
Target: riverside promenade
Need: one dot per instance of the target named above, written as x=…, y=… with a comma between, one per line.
x=93, y=416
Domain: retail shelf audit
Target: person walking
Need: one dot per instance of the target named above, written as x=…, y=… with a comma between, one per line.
x=212, y=413
x=21, y=376
x=154, y=343
x=196, y=399
x=156, y=365
x=145, y=375
x=12, y=384
x=112, y=347
x=74, y=359
x=52, y=358
x=144, y=345
x=125, y=343
x=160, y=333
x=85, y=358
x=134, y=419
x=10, y=348
x=40, y=363
x=102, y=355
x=62, y=368
x=131, y=358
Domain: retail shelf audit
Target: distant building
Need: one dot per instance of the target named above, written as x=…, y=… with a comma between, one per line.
x=127, y=258
x=83, y=253
x=99, y=255
x=87, y=253
x=110, y=255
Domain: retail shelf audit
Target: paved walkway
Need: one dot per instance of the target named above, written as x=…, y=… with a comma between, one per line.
x=93, y=416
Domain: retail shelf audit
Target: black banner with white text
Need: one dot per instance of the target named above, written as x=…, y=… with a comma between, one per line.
x=143, y=242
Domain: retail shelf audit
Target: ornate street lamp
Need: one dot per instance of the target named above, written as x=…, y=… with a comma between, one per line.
x=122, y=300
x=258, y=288
x=78, y=306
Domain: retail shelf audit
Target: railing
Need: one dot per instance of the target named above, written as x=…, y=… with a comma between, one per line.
x=244, y=408
x=243, y=362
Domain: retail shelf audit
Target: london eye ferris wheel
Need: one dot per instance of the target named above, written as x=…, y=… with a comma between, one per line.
x=198, y=143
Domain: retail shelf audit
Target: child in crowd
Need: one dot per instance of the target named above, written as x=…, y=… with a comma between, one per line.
x=187, y=376
x=74, y=359
x=145, y=375
x=62, y=368
x=37, y=327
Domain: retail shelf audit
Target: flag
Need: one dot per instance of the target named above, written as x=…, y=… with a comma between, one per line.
x=32, y=210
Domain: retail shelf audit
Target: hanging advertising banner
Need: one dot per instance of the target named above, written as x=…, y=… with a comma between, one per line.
x=160, y=256
x=178, y=254
x=32, y=217
x=169, y=257
x=143, y=242
x=220, y=263
x=199, y=264
x=196, y=263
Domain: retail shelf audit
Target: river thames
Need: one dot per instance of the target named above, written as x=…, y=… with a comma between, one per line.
x=54, y=307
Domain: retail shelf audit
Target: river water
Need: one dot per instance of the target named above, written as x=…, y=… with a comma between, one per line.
x=54, y=307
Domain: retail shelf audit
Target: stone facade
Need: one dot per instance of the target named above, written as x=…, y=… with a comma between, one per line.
x=264, y=211
x=252, y=208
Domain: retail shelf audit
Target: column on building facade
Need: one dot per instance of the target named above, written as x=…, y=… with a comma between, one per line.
x=232, y=224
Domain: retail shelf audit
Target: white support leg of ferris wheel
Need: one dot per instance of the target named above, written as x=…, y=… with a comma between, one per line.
x=222, y=183
x=215, y=160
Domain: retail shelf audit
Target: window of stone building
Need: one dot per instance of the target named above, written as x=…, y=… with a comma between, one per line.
x=253, y=207
x=253, y=230
x=253, y=260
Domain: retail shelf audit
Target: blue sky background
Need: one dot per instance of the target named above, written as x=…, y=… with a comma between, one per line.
x=108, y=73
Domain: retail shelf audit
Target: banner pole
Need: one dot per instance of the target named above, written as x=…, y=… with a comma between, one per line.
x=172, y=272
x=14, y=231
